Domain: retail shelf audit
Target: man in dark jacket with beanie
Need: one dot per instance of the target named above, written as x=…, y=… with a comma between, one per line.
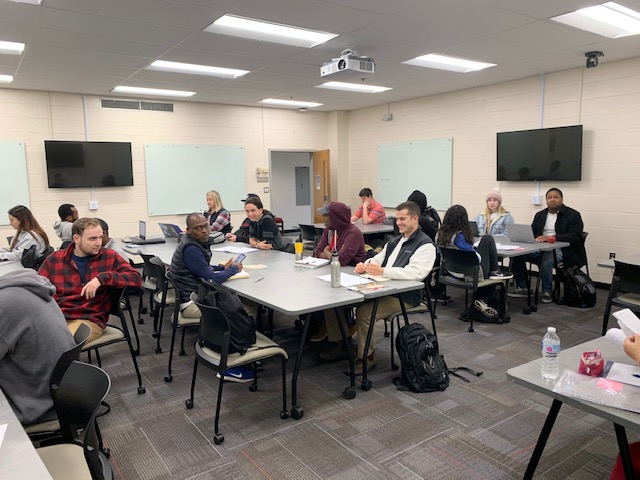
x=429, y=218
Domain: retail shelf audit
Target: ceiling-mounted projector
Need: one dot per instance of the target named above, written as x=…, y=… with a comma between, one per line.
x=349, y=64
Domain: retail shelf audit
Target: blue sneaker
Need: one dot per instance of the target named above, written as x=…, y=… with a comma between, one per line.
x=238, y=375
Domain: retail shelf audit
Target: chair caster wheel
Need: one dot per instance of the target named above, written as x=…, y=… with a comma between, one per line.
x=395, y=367
x=143, y=310
x=136, y=352
x=386, y=334
x=141, y=390
x=154, y=334
x=297, y=413
x=158, y=350
x=140, y=321
x=470, y=329
x=253, y=388
x=349, y=393
x=284, y=414
x=106, y=452
x=188, y=403
x=168, y=378
x=366, y=385
x=218, y=439
x=182, y=353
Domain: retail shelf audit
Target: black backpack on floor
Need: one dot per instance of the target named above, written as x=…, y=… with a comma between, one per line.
x=579, y=290
x=423, y=368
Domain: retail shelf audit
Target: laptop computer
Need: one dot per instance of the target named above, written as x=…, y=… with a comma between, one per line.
x=520, y=232
x=170, y=230
x=142, y=239
x=473, y=226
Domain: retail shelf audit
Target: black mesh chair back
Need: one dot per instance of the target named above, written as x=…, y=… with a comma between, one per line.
x=624, y=292
x=78, y=397
x=61, y=366
x=308, y=235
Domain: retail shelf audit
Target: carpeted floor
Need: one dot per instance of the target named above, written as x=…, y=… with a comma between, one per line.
x=484, y=429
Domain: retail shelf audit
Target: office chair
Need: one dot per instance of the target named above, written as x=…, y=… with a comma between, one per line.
x=78, y=397
x=40, y=431
x=213, y=350
x=112, y=334
x=624, y=292
x=464, y=262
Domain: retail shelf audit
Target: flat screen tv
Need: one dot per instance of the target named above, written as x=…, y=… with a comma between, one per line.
x=88, y=164
x=545, y=154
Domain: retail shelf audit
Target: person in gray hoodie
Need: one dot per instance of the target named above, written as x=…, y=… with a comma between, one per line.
x=33, y=336
x=68, y=214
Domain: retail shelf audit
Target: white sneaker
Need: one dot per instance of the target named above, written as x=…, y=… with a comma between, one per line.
x=500, y=275
x=546, y=298
x=486, y=310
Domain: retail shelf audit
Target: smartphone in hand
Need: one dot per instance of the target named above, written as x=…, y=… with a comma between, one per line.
x=240, y=258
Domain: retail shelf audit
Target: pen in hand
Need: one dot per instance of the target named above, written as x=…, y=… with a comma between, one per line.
x=257, y=280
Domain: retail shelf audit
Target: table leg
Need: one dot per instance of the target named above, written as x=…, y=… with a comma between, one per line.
x=366, y=384
x=542, y=439
x=296, y=411
x=349, y=392
x=625, y=455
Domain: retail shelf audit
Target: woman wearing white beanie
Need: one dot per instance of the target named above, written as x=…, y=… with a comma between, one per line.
x=494, y=219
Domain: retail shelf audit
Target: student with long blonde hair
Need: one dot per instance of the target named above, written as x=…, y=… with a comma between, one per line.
x=219, y=219
x=494, y=219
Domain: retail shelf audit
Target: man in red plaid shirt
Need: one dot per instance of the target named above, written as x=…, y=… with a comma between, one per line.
x=85, y=274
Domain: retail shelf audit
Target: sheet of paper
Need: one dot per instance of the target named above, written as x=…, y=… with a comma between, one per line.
x=238, y=250
x=3, y=428
x=628, y=321
x=506, y=247
x=346, y=280
x=316, y=262
x=242, y=274
x=616, y=335
x=374, y=278
x=621, y=372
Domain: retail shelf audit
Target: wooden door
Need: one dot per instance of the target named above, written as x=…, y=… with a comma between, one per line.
x=321, y=182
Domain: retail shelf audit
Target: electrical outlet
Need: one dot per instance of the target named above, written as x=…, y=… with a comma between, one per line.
x=93, y=205
x=612, y=255
x=265, y=190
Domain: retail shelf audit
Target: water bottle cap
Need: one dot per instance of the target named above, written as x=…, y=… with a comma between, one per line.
x=551, y=329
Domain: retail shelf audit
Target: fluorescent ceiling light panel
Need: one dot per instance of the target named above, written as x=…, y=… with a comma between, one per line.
x=353, y=87
x=28, y=2
x=452, y=64
x=609, y=20
x=6, y=78
x=196, y=69
x=158, y=92
x=11, y=48
x=268, y=32
x=290, y=103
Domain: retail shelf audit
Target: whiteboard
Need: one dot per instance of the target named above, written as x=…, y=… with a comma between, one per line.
x=423, y=165
x=14, y=186
x=179, y=176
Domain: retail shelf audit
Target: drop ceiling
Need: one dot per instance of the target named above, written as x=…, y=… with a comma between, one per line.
x=91, y=46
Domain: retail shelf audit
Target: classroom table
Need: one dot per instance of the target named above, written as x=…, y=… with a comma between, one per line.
x=10, y=266
x=528, y=375
x=271, y=287
x=369, y=229
x=18, y=458
x=525, y=249
x=630, y=259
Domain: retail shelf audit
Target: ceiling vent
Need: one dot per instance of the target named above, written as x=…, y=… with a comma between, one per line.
x=135, y=105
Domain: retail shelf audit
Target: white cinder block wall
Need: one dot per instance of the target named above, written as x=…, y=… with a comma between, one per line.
x=606, y=100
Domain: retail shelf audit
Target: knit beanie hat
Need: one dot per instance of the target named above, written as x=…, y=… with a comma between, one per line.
x=495, y=193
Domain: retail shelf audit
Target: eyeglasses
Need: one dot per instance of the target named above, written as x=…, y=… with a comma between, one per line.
x=199, y=227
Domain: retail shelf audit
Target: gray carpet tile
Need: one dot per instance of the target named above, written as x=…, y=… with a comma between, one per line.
x=483, y=429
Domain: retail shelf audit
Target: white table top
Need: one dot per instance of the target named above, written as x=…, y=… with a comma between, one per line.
x=6, y=267
x=528, y=375
x=18, y=458
x=631, y=259
x=365, y=229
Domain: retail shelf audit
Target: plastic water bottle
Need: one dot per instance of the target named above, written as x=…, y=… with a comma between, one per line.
x=550, y=350
x=335, y=269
